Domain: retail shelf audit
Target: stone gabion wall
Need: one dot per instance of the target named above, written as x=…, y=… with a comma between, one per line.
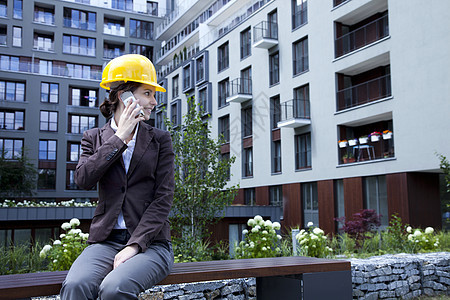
x=401, y=276
x=234, y=289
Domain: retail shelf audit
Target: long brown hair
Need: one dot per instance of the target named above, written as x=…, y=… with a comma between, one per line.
x=109, y=105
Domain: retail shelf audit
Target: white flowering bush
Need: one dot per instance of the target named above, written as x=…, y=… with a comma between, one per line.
x=422, y=240
x=63, y=252
x=313, y=242
x=28, y=203
x=261, y=240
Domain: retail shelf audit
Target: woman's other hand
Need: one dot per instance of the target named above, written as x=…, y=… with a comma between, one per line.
x=126, y=253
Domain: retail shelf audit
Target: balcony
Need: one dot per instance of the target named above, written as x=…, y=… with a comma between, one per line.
x=295, y=113
x=239, y=90
x=366, y=92
x=265, y=35
x=361, y=36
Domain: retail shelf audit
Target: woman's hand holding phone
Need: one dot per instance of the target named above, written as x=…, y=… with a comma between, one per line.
x=128, y=119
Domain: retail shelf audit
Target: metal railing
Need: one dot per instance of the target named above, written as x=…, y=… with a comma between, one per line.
x=295, y=109
x=369, y=91
x=240, y=86
x=265, y=30
x=362, y=36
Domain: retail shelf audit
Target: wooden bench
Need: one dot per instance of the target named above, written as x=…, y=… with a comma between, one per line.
x=276, y=278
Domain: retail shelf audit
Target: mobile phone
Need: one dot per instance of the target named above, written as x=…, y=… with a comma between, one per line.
x=128, y=96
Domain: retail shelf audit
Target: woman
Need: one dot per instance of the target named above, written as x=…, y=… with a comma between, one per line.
x=132, y=162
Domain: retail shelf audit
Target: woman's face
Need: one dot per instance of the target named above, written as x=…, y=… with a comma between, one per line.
x=145, y=96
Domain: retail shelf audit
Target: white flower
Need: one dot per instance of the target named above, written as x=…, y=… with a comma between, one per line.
x=55, y=261
x=258, y=227
x=84, y=236
x=310, y=224
x=265, y=232
x=47, y=248
x=278, y=236
x=264, y=239
x=66, y=226
x=42, y=254
x=237, y=249
x=258, y=218
x=410, y=237
x=268, y=223
x=302, y=231
x=57, y=242
x=272, y=231
x=429, y=230
x=61, y=236
x=255, y=230
x=436, y=244
x=74, y=222
x=64, y=245
x=264, y=249
x=417, y=233
x=317, y=231
x=314, y=237
x=245, y=231
x=276, y=225
x=409, y=229
x=65, y=250
x=251, y=222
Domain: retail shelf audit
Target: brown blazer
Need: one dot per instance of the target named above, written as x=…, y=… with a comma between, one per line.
x=145, y=193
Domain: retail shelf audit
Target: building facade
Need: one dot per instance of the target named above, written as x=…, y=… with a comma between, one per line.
x=323, y=103
x=51, y=57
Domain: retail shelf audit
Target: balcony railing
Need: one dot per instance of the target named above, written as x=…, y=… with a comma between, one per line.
x=362, y=36
x=239, y=90
x=295, y=113
x=112, y=53
x=380, y=148
x=369, y=91
x=265, y=35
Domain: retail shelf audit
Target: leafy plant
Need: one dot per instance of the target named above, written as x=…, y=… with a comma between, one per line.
x=261, y=240
x=63, y=252
x=367, y=220
x=21, y=259
x=190, y=249
x=313, y=242
x=423, y=240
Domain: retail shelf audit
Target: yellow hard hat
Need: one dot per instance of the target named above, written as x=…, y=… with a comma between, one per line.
x=130, y=67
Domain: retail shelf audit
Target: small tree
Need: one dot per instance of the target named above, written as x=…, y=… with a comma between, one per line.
x=201, y=177
x=17, y=176
x=444, y=164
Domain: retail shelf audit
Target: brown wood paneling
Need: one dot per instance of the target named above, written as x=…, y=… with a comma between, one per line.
x=424, y=200
x=225, y=148
x=276, y=134
x=239, y=199
x=247, y=142
x=262, y=195
x=397, y=195
x=353, y=195
x=325, y=193
x=292, y=206
x=47, y=164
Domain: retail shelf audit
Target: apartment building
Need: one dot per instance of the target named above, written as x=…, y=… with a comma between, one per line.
x=51, y=57
x=329, y=106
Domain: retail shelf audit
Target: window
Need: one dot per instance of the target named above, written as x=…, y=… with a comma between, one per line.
x=3, y=8
x=79, y=19
x=47, y=149
x=160, y=119
x=276, y=156
x=18, y=9
x=10, y=63
x=299, y=13
x=114, y=27
x=48, y=121
x=276, y=195
x=49, y=92
x=340, y=203
x=175, y=87
x=303, y=151
x=246, y=43
x=70, y=181
x=246, y=81
x=247, y=122
x=74, y=151
x=11, y=119
x=175, y=113
x=275, y=111
x=235, y=236
x=375, y=196
x=141, y=29
x=205, y=100
x=310, y=204
x=161, y=98
x=223, y=58
x=74, y=44
x=301, y=102
x=83, y=71
x=300, y=55
x=3, y=35
x=274, y=71
x=187, y=78
x=43, y=42
x=223, y=92
x=152, y=8
x=122, y=4
x=147, y=51
x=111, y=51
x=248, y=162
x=224, y=128
x=12, y=91
x=46, y=179
x=44, y=15
x=17, y=36
x=249, y=196
x=45, y=67
x=201, y=68
x=79, y=123
x=83, y=97
x=11, y=148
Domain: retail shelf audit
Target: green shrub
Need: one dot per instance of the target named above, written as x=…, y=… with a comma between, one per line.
x=422, y=240
x=313, y=242
x=21, y=259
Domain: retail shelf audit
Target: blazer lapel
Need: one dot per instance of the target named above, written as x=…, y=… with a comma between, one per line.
x=143, y=139
x=106, y=132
